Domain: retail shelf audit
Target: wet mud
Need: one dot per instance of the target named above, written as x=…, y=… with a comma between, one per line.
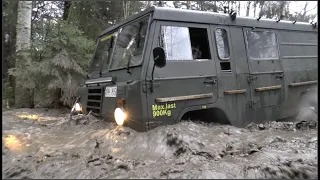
x=42, y=143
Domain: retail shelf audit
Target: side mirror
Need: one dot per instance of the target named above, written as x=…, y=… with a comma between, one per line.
x=159, y=57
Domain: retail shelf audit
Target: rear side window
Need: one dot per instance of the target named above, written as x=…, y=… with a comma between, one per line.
x=184, y=43
x=262, y=45
x=222, y=44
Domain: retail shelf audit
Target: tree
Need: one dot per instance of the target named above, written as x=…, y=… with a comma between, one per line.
x=261, y=6
x=281, y=11
x=10, y=9
x=248, y=8
x=255, y=8
x=23, y=94
x=177, y=4
x=187, y=4
x=302, y=15
x=67, y=5
x=159, y=3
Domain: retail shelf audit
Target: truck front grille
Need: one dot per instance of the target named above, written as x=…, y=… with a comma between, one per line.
x=94, y=100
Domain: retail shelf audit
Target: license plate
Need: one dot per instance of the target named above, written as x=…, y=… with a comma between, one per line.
x=110, y=92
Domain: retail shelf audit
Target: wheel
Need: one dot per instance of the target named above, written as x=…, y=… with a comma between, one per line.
x=307, y=107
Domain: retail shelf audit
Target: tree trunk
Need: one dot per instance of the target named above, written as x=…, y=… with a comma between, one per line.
x=282, y=9
x=175, y=4
x=67, y=5
x=215, y=7
x=188, y=5
x=201, y=5
x=254, y=8
x=261, y=5
x=23, y=43
x=304, y=11
x=239, y=7
x=248, y=8
x=269, y=14
x=124, y=8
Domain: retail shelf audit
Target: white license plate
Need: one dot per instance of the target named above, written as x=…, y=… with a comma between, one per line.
x=111, y=91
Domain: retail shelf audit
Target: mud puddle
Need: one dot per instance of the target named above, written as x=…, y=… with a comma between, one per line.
x=40, y=143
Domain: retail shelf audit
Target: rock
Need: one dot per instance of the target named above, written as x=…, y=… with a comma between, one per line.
x=122, y=133
x=278, y=139
x=124, y=166
x=97, y=163
x=229, y=147
x=78, y=119
x=75, y=155
x=227, y=132
x=251, y=126
x=313, y=124
x=261, y=127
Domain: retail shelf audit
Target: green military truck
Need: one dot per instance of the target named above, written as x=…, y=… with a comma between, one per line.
x=163, y=65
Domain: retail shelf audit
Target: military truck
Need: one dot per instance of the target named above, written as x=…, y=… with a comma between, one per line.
x=163, y=65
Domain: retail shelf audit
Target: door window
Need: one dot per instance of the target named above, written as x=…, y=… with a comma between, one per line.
x=184, y=43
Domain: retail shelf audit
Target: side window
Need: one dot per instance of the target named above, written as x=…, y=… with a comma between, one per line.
x=262, y=45
x=184, y=43
x=222, y=44
x=129, y=45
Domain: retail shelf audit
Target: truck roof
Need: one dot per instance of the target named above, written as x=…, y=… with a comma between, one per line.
x=204, y=17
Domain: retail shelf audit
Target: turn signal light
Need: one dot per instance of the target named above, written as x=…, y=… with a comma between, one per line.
x=121, y=102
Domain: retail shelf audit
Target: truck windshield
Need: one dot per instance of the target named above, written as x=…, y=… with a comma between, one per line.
x=130, y=44
x=102, y=54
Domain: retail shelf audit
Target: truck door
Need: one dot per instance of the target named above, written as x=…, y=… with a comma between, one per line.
x=189, y=77
x=265, y=68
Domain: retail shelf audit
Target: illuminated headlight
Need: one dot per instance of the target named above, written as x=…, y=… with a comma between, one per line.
x=119, y=116
x=77, y=107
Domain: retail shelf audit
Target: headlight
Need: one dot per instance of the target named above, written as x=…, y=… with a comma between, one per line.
x=77, y=107
x=119, y=116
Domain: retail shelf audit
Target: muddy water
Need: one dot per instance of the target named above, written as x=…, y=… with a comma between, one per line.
x=46, y=144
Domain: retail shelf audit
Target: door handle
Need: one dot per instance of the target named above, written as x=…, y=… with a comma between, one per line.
x=210, y=81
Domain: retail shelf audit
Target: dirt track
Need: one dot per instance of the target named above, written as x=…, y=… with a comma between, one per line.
x=48, y=145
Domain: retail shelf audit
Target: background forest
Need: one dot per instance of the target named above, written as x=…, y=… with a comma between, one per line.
x=48, y=45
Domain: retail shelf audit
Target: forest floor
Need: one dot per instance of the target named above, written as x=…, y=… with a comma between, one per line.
x=45, y=143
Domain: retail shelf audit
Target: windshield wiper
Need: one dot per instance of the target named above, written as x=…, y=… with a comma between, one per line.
x=128, y=64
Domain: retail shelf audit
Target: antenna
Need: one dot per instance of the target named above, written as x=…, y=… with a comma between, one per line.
x=293, y=22
x=259, y=18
